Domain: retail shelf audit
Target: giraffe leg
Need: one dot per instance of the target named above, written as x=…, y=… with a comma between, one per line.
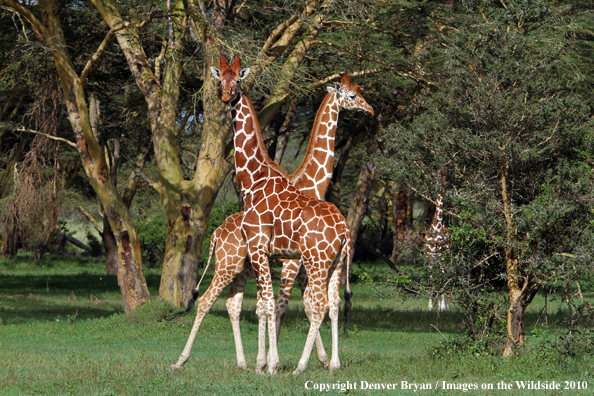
x=315, y=305
x=204, y=304
x=261, y=360
x=234, y=303
x=334, y=303
x=322, y=355
x=260, y=264
x=291, y=268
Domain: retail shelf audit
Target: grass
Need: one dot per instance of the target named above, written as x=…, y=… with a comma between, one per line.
x=63, y=331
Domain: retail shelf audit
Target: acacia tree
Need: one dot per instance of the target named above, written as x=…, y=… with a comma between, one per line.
x=510, y=124
x=49, y=31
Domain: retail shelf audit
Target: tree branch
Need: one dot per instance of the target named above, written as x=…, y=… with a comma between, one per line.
x=388, y=66
x=99, y=52
x=140, y=172
x=27, y=130
x=91, y=219
x=337, y=75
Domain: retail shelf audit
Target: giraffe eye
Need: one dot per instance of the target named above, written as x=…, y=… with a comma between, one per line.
x=352, y=96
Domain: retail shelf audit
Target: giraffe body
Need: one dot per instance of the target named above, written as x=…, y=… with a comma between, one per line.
x=312, y=177
x=279, y=221
x=436, y=242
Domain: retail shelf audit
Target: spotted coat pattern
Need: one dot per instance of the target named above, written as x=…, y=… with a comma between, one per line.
x=313, y=178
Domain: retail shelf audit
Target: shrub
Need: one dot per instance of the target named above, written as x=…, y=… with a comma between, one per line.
x=153, y=236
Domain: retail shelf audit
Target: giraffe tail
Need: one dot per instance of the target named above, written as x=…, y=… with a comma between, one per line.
x=348, y=293
x=196, y=291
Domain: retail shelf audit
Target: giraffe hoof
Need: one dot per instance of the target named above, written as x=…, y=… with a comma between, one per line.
x=334, y=366
x=297, y=371
x=324, y=362
x=175, y=367
x=242, y=365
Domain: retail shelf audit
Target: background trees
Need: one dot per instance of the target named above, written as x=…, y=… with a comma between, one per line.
x=510, y=122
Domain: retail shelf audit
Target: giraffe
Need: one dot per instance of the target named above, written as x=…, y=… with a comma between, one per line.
x=436, y=241
x=280, y=221
x=313, y=177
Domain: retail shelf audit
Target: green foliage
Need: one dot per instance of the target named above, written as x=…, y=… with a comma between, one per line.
x=466, y=345
x=153, y=237
x=509, y=120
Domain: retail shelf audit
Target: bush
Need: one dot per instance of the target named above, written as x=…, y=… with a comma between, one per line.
x=153, y=236
x=95, y=244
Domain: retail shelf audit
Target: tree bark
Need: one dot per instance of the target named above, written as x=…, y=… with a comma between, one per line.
x=284, y=132
x=520, y=295
x=402, y=219
x=360, y=201
x=333, y=192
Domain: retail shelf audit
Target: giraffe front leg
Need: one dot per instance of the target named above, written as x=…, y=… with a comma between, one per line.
x=260, y=264
x=322, y=355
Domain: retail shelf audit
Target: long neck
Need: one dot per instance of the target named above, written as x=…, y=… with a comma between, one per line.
x=436, y=239
x=252, y=162
x=315, y=172
x=437, y=225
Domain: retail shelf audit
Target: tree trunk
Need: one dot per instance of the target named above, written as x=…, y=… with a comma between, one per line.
x=402, y=219
x=130, y=275
x=110, y=247
x=284, y=133
x=360, y=201
x=10, y=166
x=519, y=296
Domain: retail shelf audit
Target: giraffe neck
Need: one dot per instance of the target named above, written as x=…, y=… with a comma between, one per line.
x=252, y=162
x=437, y=225
x=313, y=176
x=436, y=238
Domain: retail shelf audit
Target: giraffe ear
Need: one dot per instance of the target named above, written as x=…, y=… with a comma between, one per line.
x=331, y=89
x=216, y=73
x=244, y=73
x=338, y=91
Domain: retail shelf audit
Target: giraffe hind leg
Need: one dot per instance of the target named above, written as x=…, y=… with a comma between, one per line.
x=234, y=303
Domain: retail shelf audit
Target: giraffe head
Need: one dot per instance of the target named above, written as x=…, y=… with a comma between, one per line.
x=349, y=95
x=229, y=76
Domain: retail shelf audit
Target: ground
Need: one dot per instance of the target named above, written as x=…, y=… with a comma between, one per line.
x=63, y=331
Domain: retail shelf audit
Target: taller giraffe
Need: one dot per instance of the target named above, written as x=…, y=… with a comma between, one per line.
x=279, y=221
x=436, y=240
x=313, y=177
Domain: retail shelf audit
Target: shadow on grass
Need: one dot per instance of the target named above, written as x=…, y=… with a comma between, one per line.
x=57, y=285
x=60, y=313
x=25, y=298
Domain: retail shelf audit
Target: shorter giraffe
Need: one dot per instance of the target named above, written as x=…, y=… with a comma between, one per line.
x=436, y=242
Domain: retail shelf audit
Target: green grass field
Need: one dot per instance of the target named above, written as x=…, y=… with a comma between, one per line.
x=63, y=331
